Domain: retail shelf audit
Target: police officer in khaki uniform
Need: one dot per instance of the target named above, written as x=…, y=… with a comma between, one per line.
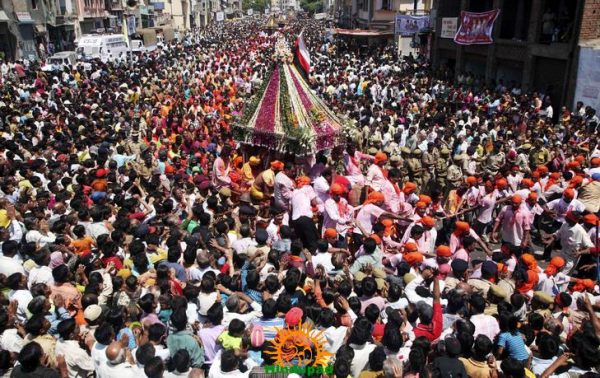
x=404, y=155
x=495, y=160
x=415, y=168
x=441, y=169
x=428, y=162
x=540, y=154
x=455, y=174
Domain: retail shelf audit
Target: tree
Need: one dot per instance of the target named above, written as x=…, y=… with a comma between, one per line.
x=257, y=5
x=312, y=6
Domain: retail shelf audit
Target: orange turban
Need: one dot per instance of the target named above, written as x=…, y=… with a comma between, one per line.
x=501, y=183
x=529, y=261
x=277, y=165
x=569, y=193
x=443, y=251
x=462, y=227
x=471, y=180
x=330, y=233
x=583, y=285
x=421, y=205
x=554, y=266
x=428, y=221
x=375, y=197
x=337, y=189
x=527, y=182
x=410, y=247
x=533, y=196
x=409, y=187
x=580, y=159
x=573, y=164
x=555, y=175
x=425, y=198
x=413, y=258
x=542, y=169
x=516, y=199
x=376, y=238
x=595, y=161
x=302, y=181
x=532, y=280
x=379, y=157
x=590, y=219
x=575, y=181
x=389, y=226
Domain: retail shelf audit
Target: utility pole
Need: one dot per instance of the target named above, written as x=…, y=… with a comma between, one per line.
x=131, y=8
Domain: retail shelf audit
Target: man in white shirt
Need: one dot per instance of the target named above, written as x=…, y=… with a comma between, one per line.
x=375, y=176
x=561, y=206
x=79, y=363
x=235, y=307
x=304, y=199
x=284, y=186
x=323, y=257
x=242, y=244
x=8, y=262
x=321, y=187
x=119, y=363
x=573, y=239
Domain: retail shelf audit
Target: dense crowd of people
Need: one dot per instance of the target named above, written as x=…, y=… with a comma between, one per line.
x=455, y=234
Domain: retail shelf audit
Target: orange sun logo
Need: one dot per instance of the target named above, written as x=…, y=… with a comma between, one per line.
x=300, y=346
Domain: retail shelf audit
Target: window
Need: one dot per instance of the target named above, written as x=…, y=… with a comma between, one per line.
x=387, y=4
x=558, y=21
x=480, y=5
x=364, y=6
x=515, y=19
x=34, y=4
x=449, y=8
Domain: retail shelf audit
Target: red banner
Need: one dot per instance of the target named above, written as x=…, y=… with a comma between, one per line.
x=476, y=28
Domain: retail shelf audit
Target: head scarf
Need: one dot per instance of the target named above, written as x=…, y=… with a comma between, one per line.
x=56, y=259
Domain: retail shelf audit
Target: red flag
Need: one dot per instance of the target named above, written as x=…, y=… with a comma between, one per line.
x=303, y=54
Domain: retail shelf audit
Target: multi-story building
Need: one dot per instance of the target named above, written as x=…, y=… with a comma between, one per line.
x=62, y=24
x=535, y=44
x=91, y=15
x=22, y=29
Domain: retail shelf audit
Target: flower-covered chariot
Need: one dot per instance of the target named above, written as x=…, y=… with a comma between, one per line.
x=285, y=115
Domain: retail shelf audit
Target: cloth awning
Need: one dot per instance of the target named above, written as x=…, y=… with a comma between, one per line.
x=3, y=16
x=40, y=28
x=363, y=32
x=24, y=18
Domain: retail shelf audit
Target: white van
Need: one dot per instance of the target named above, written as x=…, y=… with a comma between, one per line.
x=106, y=47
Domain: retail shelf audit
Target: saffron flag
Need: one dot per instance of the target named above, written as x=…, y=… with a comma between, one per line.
x=476, y=28
x=302, y=54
